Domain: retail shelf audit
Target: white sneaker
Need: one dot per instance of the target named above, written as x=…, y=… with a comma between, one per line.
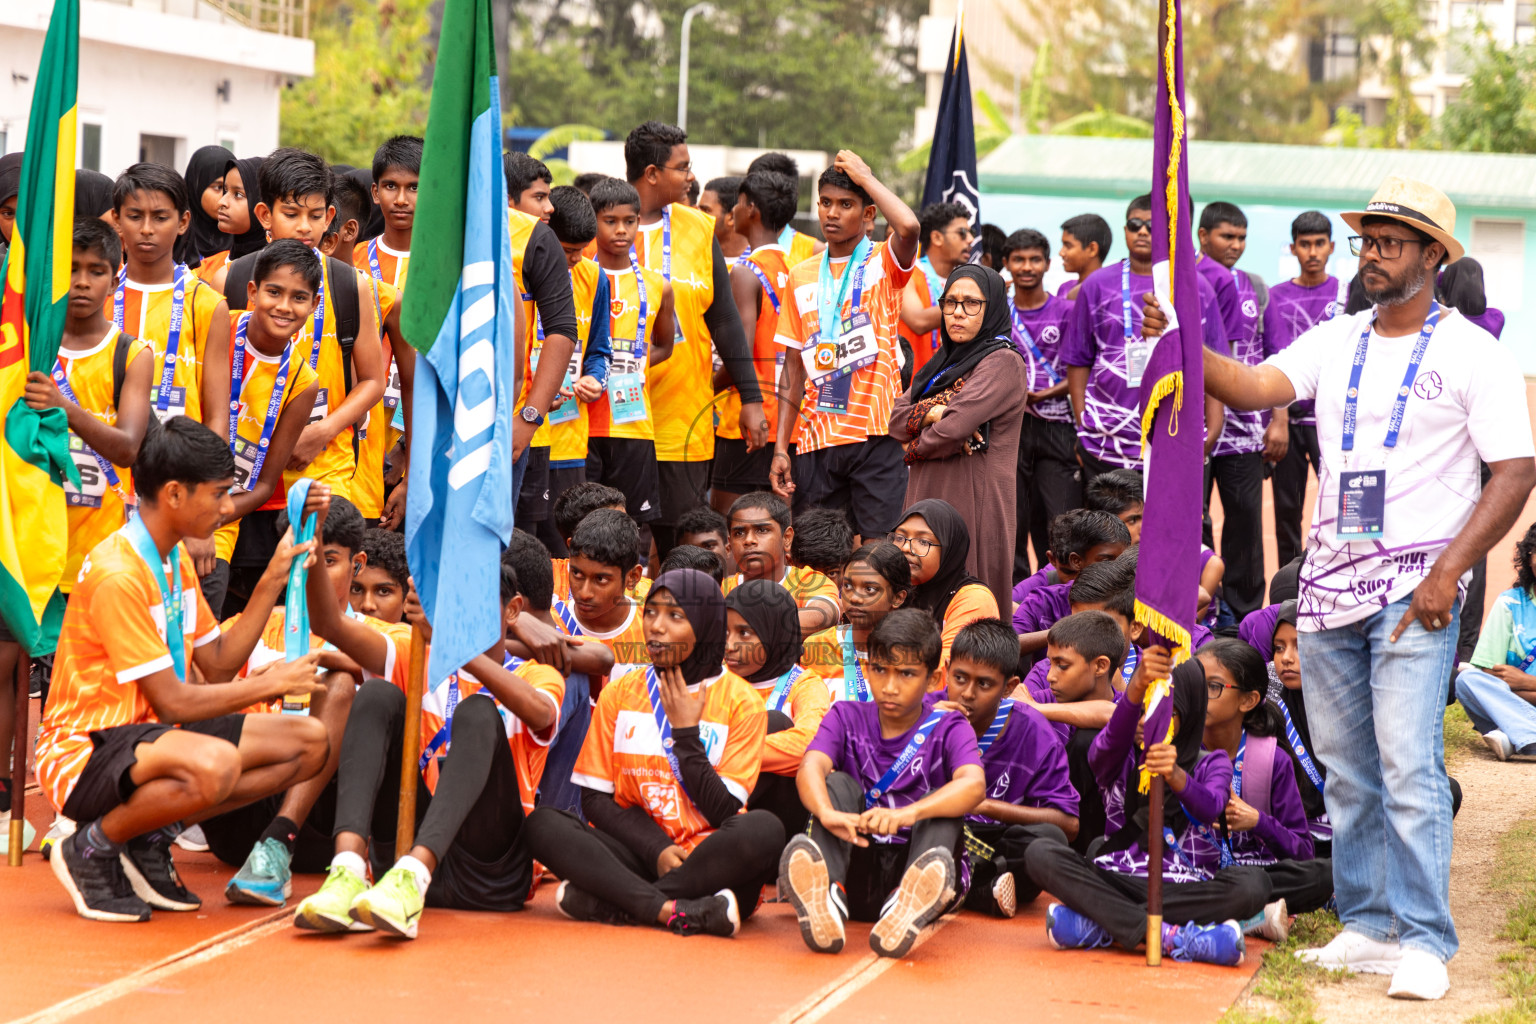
x=192, y=839
x=28, y=833
x=1498, y=744
x=1355, y=953
x=1274, y=923
x=1420, y=975
x=61, y=829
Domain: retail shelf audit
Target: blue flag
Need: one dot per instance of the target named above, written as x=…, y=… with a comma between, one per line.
x=952, y=158
x=458, y=514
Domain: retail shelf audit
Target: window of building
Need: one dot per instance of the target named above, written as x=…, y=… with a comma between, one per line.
x=90, y=146
x=1499, y=245
x=159, y=149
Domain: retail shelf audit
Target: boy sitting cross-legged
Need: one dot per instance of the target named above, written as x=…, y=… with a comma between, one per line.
x=885, y=822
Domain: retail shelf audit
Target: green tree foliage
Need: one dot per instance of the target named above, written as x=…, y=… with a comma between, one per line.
x=371, y=81
x=1496, y=109
x=813, y=74
x=992, y=130
x=1394, y=38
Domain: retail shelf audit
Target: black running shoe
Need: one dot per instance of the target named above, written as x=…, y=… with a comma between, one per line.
x=150, y=870
x=96, y=883
x=712, y=915
x=579, y=905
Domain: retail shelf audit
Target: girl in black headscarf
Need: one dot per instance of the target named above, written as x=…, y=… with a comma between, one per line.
x=763, y=645
x=667, y=844
x=960, y=422
x=937, y=544
x=205, y=187
x=237, y=212
x=10, y=185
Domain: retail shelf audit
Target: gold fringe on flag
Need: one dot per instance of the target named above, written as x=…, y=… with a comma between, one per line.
x=1161, y=689
x=1168, y=384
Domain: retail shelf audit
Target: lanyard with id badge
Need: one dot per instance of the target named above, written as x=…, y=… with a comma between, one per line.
x=322, y=395
x=839, y=353
x=1138, y=350
x=251, y=456
x=567, y=410
x=166, y=400
x=96, y=473
x=1363, y=489
x=626, y=384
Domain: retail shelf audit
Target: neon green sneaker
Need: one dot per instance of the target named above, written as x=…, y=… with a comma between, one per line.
x=327, y=910
x=393, y=906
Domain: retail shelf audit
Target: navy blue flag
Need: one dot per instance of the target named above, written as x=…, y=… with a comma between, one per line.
x=952, y=158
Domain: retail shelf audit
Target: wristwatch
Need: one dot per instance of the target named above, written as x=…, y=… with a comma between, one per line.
x=531, y=415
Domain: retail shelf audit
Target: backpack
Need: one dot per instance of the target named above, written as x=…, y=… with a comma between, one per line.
x=1258, y=771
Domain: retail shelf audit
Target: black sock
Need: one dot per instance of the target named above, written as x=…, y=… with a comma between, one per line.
x=284, y=830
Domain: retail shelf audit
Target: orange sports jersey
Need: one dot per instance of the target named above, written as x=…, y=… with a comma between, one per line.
x=520, y=227
x=257, y=380
x=393, y=264
x=272, y=646
x=805, y=701
x=568, y=432
x=824, y=655
x=97, y=508
x=628, y=407
x=872, y=390
x=368, y=484
x=146, y=314
x=209, y=268
x=767, y=353
x=971, y=602
x=682, y=388
x=623, y=754
x=529, y=749
x=804, y=585
x=113, y=635
x=926, y=344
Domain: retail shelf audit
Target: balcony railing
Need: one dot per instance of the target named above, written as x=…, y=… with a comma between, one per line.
x=281, y=17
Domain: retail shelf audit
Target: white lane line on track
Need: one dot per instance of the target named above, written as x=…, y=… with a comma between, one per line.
x=839, y=990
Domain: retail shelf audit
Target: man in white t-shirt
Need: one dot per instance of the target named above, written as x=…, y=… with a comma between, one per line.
x=1409, y=396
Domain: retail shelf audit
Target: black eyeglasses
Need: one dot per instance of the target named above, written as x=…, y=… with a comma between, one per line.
x=684, y=169
x=1388, y=246
x=1136, y=225
x=971, y=306
x=1213, y=689
x=920, y=545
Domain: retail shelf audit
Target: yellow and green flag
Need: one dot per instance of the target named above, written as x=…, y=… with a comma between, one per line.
x=34, y=453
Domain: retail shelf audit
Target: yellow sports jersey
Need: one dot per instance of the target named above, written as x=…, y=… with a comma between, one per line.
x=98, y=507
x=520, y=227
x=257, y=378
x=368, y=483
x=335, y=465
x=801, y=246
x=382, y=263
x=568, y=425
x=146, y=311
x=626, y=408
x=682, y=388
x=804, y=585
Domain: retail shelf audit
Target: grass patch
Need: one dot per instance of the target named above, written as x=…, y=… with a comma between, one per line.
x=1282, y=990
x=1460, y=738
x=1515, y=877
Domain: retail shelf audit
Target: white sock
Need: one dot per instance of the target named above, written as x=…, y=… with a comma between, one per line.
x=353, y=861
x=417, y=868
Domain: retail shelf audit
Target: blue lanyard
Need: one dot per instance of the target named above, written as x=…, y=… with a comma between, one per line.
x=639, y=347
x=1525, y=665
x=108, y=471
x=1237, y=765
x=441, y=738
x=170, y=590
x=1022, y=331
x=296, y=617
x=1125, y=298
x=664, y=727
x=830, y=304
x=781, y=689
x=762, y=277
x=852, y=673
x=998, y=721
x=567, y=617
x=274, y=402
x=1399, y=407
x=1132, y=659
x=886, y=781
x=318, y=335
x=173, y=336
x=1293, y=737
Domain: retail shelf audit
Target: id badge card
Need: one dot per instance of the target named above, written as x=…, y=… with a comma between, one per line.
x=392, y=389
x=567, y=410
x=93, y=483
x=856, y=348
x=176, y=404
x=322, y=405
x=1137, y=355
x=1362, y=504
x=626, y=397
x=245, y=463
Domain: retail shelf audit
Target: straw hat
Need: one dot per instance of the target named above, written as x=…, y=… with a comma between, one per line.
x=1417, y=205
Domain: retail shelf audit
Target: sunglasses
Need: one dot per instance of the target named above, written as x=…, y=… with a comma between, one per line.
x=1136, y=225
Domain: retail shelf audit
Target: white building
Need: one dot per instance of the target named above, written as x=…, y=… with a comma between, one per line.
x=159, y=78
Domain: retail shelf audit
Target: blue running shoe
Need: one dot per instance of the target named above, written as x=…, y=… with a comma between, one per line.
x=1204, y=943
x=265, y=879
x=1067, y=929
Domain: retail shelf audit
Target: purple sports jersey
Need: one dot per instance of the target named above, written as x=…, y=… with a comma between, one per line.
x=850, y=736
x=1042, y=608
x=1294, y=310
x=1046, y=328
x=1492, y=321
x=1026, y=764
x=1243, y=432
x=1045, y=576
x=1111, y=426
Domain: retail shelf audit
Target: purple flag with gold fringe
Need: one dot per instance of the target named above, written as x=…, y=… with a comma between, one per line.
x=1172, y=394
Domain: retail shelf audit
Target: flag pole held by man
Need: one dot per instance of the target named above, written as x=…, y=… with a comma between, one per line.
x=458, y=314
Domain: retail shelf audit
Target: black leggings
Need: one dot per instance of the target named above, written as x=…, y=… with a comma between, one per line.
x=737, y=856
x=777, y=793
x=1118, y=902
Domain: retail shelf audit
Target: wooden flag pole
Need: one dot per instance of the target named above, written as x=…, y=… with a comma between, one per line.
x=1155, y=872
x=19, y=758
x=405, y=828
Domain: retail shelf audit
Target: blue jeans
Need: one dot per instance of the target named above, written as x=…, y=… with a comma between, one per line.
x=1491, y=704
x=555, y=787
x=1377, y=711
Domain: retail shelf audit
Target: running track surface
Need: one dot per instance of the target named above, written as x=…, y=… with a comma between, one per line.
x=236, y=964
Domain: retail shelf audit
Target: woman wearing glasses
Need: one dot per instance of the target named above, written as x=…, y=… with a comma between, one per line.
x=937, y=545
x=960, y=425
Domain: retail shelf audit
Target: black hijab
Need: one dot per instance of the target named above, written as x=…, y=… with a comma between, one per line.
x=93, y=194
x=203, y=238
x=774, y=617
x=944, y=522
x=700, y=598
x=955, y=360
x=10, y=175
x=372, y=225
x=255, y=236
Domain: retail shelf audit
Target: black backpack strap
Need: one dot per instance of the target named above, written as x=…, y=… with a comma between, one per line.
x=237, y=275
x=349, y=316
x=120, y=366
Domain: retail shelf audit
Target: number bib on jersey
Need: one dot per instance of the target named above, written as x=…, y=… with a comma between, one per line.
x=835, y=365
x=93, y=482
x=626, y=381
x=322, y=405
x=244, y=452
x=176, y=402
x=1362, y=504
x=392, y=389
